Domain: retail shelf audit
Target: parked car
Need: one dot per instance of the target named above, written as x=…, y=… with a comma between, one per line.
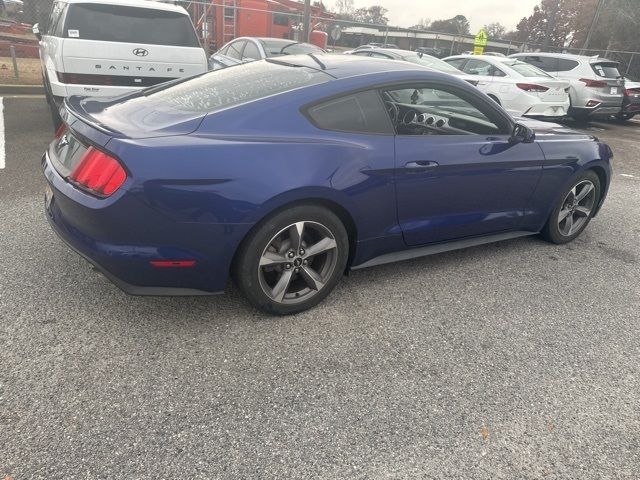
x=112, y=47
x=315, y=167
x=521, y=89
x=414, y=57
x=370, y=46
x=494, y=54
x=249, y=49
x=631, y=100
x=596, y=86
x=432, y=51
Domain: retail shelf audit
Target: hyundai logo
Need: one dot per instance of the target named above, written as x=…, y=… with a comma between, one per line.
x=140, y=52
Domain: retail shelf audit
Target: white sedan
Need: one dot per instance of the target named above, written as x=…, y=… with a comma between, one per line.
x=522, y=89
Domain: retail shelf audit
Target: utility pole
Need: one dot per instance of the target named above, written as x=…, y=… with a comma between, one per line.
x=592, y=27
x=306, y=21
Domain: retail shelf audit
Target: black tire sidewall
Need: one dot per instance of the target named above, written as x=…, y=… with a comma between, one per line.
x=551, y=231
x=245, y=268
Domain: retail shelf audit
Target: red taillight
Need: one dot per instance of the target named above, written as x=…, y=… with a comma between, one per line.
x=532, y=87
x=593, y=83
x=60, y=131
x=173, y=263
x=98, y=173
x=631, y=91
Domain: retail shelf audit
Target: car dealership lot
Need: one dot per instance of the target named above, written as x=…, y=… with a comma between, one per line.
x=513, y=360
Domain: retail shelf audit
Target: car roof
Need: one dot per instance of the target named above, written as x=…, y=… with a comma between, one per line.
x=345, y=66
x=397, y=51
x=569, y=56
x=155, y=4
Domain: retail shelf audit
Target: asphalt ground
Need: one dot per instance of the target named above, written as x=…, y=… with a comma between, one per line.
x=517, y=360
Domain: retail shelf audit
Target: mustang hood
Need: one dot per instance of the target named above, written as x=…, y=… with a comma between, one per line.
x=138, y=115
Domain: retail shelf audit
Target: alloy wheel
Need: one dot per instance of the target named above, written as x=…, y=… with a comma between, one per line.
x=576, y=208
x=297, y=262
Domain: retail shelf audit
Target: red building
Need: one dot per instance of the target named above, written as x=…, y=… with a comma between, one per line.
x=224, y=20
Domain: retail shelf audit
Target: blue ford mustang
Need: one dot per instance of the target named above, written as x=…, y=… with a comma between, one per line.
x=288, y=173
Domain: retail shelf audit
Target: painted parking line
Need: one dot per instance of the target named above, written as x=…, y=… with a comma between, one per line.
x=1, y=133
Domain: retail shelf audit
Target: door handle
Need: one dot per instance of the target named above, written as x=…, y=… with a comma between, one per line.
x=421, y=164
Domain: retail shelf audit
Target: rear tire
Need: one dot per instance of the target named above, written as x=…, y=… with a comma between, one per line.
x=56, y=119
x=574, y=209
x=292, y=260
x=624, y=117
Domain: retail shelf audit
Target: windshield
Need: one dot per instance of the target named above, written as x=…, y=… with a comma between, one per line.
x=276, y=48
x=525, y=69
x=117, y=23
x=432, y=62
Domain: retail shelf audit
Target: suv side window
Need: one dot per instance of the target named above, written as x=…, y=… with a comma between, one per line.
x=361, y=112
x=548, y=64
x=564, y=65
x=57, y=27
x=54, y=24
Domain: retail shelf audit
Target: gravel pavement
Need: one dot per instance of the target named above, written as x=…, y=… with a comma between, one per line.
x=514, y=360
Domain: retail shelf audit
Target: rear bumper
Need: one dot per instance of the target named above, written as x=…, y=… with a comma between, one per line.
x=602, y=110
x=66, y=90
x=120, y=236
x=631, y=105
x=546, y=110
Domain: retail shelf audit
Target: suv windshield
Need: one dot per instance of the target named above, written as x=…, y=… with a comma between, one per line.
x=118, y=23
x=607, y=70
x=276, y=48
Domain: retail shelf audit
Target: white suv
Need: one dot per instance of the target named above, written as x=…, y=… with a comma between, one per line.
x=597, y=88
x=112, y=47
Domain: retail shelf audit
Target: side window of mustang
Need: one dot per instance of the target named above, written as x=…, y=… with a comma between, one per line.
x=361, y=112
x=437, y=111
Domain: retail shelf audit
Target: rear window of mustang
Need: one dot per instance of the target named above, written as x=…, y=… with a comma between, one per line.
x=232, y=86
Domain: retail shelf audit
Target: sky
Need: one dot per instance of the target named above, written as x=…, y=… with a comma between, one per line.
x=405, y=13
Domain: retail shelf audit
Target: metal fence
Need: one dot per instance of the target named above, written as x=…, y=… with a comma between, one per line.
x=218, y=23
x=352, y=34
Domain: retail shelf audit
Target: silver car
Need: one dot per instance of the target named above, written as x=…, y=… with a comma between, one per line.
x=248, y=49
x=597, y=88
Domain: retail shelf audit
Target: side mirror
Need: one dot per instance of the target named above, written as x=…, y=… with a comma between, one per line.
x=522, y=134
x=36, y=31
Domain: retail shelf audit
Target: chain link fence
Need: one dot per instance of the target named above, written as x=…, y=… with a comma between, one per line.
x=19, y=61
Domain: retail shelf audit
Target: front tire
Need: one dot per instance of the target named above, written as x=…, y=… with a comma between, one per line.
x=574, y=210
x=292, y=260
